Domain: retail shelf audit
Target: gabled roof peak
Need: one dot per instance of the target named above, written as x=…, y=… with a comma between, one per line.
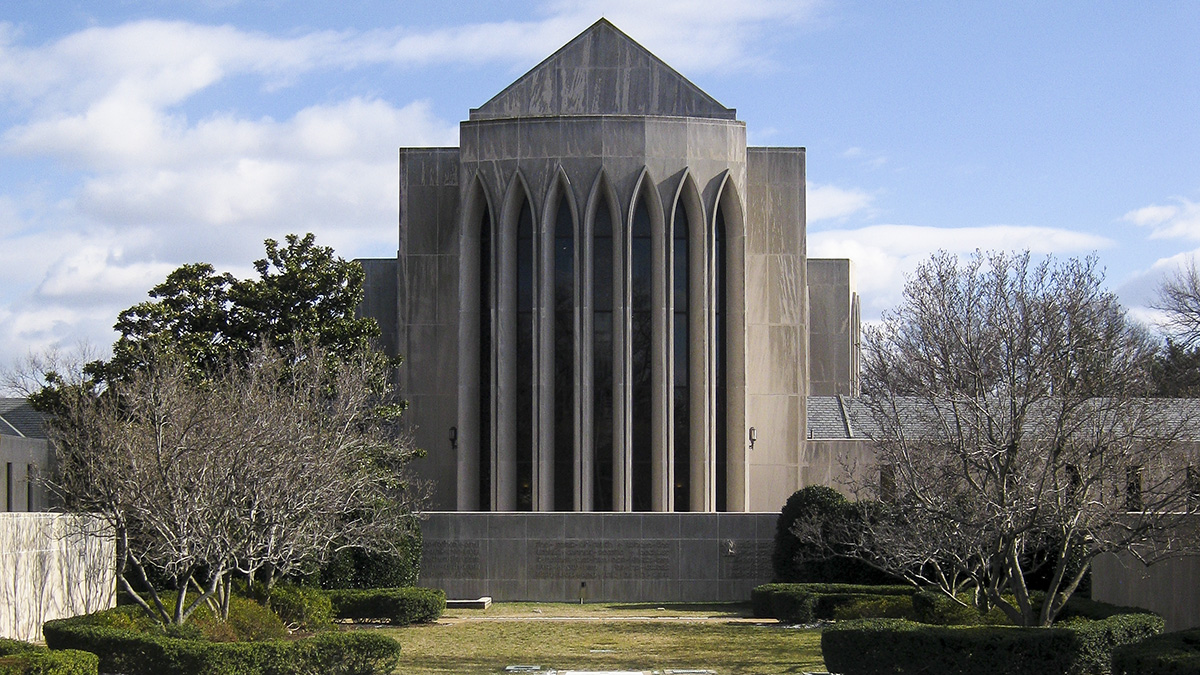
x=602, y=71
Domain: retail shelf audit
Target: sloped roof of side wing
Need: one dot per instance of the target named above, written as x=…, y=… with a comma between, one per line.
x=602, y=72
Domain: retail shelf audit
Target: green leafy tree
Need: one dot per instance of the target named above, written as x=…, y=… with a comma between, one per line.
x=303, y=294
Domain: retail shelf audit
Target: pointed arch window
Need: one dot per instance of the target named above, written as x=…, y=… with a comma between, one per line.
x=485, y=359
x=681, y=353
x=525, y=362
x=641, y=270
x=602, y=358
x=720, y=393
x=564, y=357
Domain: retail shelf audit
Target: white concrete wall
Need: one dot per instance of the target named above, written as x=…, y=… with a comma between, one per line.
x=52, y=566
x=1169, y=587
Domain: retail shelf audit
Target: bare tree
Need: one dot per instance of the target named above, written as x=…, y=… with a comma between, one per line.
x=1179, y=298
x=1006, y=401
x=263, y=465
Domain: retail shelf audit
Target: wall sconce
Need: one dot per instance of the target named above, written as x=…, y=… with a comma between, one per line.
x=753, y=437
x=453, y=438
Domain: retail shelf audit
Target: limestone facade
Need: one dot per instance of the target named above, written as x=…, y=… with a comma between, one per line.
x=602, y=297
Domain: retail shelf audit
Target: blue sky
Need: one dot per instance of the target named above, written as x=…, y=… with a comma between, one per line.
x=137, y=135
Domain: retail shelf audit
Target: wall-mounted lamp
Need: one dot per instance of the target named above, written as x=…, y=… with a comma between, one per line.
x=453, y=438
x=753, y=437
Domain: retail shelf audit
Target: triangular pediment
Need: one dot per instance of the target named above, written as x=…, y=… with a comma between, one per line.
x=602, y=72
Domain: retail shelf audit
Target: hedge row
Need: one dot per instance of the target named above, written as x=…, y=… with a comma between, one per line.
x=22, y=658
x=897, y=646
x=1170, y=654
x=803, y=603
x=130, y=652
x=400, y=606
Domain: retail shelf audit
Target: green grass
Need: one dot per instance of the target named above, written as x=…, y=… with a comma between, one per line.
x=486, y=642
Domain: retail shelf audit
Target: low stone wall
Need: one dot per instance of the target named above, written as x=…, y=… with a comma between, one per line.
x=620, y=557
x=52, y=566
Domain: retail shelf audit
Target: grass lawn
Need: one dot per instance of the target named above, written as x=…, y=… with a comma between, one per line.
x=600, y=637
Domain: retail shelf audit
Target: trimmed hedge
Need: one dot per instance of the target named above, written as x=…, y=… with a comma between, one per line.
x=22, y=658
x=802, y=603
x=1170, y=654
x=46, y=662
x=123, y=650
x=1080, y=647
x=400, y=606
x=302, y=607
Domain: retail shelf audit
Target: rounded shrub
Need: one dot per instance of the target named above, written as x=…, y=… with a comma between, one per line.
x=828, y=507
x=302, y=607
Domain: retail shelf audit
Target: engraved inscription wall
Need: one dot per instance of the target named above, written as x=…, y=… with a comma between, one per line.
x=452, y=559
x=602, y=560
x=750, y=560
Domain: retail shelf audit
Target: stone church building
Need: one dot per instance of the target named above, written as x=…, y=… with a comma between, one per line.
x=604, y=301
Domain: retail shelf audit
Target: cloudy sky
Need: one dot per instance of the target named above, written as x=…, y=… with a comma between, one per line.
x=137, y=135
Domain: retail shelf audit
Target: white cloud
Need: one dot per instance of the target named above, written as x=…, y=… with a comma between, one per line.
x=884, y=254
x=149, y=187
x=829, y=202
x=1174, y=221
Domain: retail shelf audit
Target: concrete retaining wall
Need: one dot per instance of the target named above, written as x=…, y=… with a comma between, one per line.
x=52, y=566
x=633, y=557
x=1169, y=587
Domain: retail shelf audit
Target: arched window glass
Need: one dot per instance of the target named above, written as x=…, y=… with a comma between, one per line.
x=720, y=314
x=564, y=358
x=602, y=358
x=680, y=351
x=641, y=348
x=485, y=360
x=525, y=358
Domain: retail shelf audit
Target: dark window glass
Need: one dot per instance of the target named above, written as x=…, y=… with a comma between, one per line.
x=602, y=359
x=485, y=361
x=681, y=350
x=719, y=293
x=641, y=269
x=564, y=358
x=525, y=360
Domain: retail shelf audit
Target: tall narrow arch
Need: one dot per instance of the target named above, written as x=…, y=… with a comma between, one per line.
x=648, y=458
x=689, y=401
x=728, y=354
x=476, y=426
x=603, y=462
x=560, y=462
x=517, y=471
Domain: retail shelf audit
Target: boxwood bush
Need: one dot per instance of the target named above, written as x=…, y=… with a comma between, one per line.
x=1078, y=647
x=128, y=650
x=46, y=662
x=302, y=607
x=400, y=606
x=22, y=658
x=1170, y=654
x=802, y=603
